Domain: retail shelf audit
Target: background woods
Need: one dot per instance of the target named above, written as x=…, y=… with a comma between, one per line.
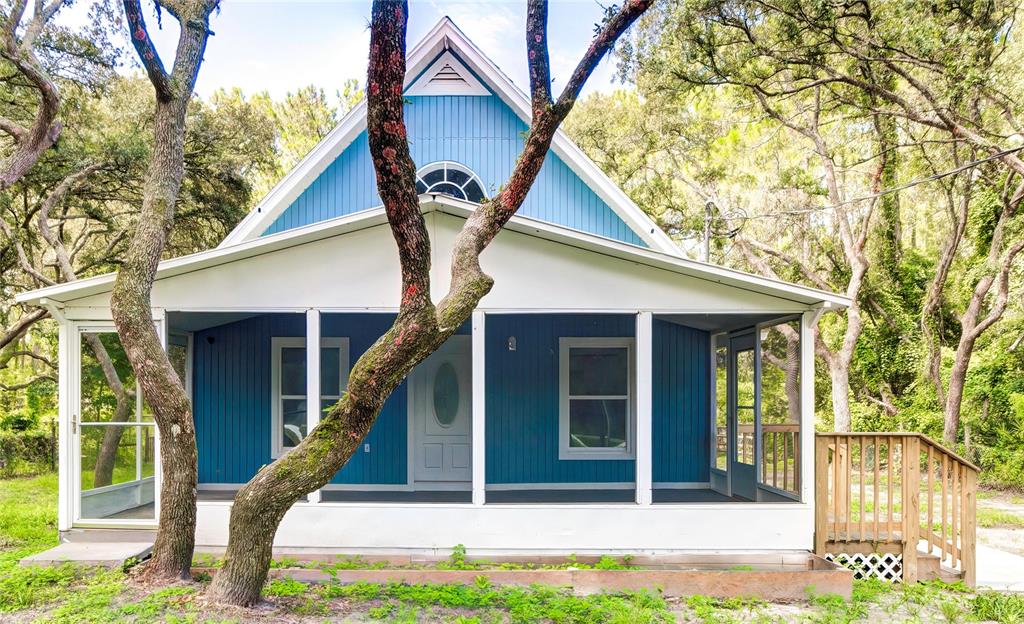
x=772, y=133
x=835, y=146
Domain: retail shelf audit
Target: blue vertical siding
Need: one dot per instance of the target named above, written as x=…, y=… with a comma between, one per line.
x=680, y=393
x=232, y=394
x=522, y=398
x=480, y=132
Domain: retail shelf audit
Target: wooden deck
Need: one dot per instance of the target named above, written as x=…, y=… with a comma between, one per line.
x=898, y=493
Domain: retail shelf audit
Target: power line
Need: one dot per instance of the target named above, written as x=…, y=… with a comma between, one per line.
x=889, y=191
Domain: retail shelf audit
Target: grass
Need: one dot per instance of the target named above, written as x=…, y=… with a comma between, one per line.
x=998, y=518
x=67, y=594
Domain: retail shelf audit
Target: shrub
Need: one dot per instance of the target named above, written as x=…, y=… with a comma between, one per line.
x=26, y=451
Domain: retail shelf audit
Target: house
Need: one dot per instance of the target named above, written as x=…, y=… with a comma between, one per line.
x=609, y=394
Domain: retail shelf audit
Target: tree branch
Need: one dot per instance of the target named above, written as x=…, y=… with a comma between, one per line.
x=146, y=51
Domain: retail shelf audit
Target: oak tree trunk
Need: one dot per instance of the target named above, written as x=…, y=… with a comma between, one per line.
x=130, y=301
x=420, y=327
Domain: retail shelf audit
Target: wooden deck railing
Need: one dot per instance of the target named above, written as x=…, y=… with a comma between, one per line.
x=895, y=492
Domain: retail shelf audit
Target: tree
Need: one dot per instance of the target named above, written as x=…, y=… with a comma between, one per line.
x=898, y=69
x=130, y=300
x=421, y=326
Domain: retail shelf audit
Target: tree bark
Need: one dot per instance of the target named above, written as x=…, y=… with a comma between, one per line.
x=420, y=327
x=130, y=300
x=31, y=142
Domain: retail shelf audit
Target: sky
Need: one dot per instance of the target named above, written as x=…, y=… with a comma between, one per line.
x=279, y=46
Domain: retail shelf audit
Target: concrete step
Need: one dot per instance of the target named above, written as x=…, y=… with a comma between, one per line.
x=109, y=554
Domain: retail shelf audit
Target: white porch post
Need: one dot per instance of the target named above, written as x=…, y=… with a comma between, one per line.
x=65, y=452
x=807, y=323
x=479, y=383
x=644, y=401
x=313, y=378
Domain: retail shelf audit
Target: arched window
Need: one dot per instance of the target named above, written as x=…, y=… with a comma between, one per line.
x=450, y=178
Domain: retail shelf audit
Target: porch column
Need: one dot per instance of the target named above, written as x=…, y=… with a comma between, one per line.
x=644, y=379
x=65, y=410
x=479, y=383
x=313, y=378
x=808, y=321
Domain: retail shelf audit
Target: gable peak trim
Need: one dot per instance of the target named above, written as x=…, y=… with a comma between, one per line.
x=447, y=76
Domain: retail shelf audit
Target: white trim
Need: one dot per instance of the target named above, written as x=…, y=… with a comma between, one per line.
x=313, y=393
x=65, y=437
x=506, y=487
x=277, y=343
x=567, y=452
x=479, y=440
x=644, y=367
x=808, y=321
x=800, y=296
x=446, y=36
x=426, y=85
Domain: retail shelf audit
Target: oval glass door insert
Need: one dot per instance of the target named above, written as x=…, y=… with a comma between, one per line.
x=446, y=394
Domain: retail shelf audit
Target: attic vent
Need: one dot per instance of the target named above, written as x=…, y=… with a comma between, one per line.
x=447, y=76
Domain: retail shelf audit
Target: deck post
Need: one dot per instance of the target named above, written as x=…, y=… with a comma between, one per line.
x=479, y=440
x=644, y=400
x=313, y=378
x=910, y=513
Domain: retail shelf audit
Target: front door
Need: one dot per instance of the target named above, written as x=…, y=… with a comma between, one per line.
x=743, y=415
x=441, y=406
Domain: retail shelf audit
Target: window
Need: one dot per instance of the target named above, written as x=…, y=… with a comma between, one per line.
x=780, y=406
x=288, y=380
x=449, y=178
x=596, y=387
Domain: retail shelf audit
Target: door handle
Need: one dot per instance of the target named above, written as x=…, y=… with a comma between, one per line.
x=74, y=423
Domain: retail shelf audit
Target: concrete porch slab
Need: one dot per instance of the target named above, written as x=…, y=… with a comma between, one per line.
x=105, y=554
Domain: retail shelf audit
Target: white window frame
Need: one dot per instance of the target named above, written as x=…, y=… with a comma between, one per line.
x=278, y=343
x=567, y=452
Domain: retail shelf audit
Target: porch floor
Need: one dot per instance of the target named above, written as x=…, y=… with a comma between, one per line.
x=551, y=496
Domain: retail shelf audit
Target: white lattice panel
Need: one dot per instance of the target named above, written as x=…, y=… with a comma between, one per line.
x=887, y=567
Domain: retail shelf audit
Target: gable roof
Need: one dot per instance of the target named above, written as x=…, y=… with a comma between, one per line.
x=446, y=37
x=803, y=295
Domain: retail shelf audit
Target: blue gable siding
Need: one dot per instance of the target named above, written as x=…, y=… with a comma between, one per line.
x=522, y=399
x=480, y=132
x=680, y=427
x=232, y=394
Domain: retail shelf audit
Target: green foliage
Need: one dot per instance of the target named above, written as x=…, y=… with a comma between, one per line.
x=998, y=607
x=284, y=587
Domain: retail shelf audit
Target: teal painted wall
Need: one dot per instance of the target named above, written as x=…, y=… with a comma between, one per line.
x=232, y=394
x=680, y=428
x=483, y=134
x=522, y=398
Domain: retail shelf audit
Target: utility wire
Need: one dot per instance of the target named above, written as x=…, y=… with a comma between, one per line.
x=888, y=191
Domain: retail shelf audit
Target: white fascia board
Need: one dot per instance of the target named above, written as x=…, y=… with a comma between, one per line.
x=459, y=208
x=299, y=178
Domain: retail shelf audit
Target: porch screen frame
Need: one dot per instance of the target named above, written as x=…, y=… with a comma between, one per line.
x=76, y=329
x=277, y=344
x=758, y=450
